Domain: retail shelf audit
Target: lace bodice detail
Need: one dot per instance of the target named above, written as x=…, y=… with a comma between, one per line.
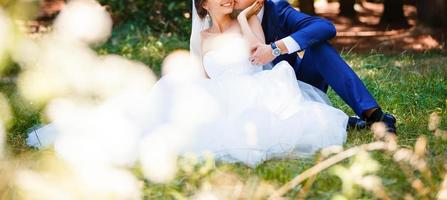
x=229, y=58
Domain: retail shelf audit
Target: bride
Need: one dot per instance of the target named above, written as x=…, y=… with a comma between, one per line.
x=240, y=112
x=251, y=115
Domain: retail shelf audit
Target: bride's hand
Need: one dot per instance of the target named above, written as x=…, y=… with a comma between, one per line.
x=253, y=9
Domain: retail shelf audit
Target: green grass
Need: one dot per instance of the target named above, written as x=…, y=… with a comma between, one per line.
x=142, y=45
x=411, y=86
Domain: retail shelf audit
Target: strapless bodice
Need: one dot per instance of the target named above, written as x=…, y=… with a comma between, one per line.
x=229, y=58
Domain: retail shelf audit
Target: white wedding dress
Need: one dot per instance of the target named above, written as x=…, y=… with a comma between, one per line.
x=245, y=114
x=240, y=114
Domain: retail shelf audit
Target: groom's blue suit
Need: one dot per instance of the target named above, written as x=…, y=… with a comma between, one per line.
x=321, y=65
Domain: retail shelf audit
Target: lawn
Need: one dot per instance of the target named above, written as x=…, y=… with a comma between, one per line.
x=409, y=85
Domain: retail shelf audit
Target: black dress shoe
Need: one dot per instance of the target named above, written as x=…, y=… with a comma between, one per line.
x=354, y=122
x=389, y=121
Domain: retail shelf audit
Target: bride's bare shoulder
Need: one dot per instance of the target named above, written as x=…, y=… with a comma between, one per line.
x=205, y=37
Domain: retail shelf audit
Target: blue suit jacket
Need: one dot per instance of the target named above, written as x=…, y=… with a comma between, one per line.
x=281, y=20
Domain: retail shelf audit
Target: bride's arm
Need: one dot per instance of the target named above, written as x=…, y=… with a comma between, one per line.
x=251, y=27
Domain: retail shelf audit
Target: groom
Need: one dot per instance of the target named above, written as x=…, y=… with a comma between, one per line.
x=288, y=33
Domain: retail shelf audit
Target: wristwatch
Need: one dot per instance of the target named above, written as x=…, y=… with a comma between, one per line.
x=276, y=51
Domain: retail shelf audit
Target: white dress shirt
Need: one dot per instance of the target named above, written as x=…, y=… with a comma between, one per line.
x=291, y=45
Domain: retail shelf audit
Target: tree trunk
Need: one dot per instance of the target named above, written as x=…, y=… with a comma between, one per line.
x=307, y=6
x=432, y=12
x=393, y=13
x=347, y=8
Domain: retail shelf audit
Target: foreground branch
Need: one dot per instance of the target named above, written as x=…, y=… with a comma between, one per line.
x=326, y=164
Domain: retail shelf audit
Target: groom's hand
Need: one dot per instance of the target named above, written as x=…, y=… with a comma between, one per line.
x=262, y=54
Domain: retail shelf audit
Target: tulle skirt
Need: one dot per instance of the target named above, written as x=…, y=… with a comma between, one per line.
x=246, y=118
x=242, y=118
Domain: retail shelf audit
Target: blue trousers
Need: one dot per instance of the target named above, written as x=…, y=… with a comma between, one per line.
x=322, y=66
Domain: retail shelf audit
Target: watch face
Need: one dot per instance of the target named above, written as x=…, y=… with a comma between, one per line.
x=276, y=52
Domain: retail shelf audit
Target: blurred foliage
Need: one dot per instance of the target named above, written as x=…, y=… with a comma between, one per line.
x=142, y=45
x=21, y=9
x=158, y=27
x=160, y=16
x=25, y=116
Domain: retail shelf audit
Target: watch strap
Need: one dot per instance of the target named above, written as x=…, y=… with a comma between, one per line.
x=273, y=45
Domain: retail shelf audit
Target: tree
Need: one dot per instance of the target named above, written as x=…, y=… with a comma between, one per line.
x=432, y=12
x=307, y=6
x=347, y=8
x=393, y=13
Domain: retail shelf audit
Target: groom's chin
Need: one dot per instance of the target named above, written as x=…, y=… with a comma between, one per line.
x=235, y=13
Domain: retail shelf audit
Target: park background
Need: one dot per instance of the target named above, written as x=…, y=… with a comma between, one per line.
x=396, y=46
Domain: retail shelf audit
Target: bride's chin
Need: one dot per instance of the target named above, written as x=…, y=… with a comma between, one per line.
x=229, y=11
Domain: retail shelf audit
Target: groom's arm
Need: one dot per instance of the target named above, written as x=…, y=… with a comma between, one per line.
x=305, y=30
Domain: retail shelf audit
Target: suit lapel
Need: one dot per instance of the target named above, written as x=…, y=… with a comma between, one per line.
x=269, y=21
x=273, y=32
x=266, y=21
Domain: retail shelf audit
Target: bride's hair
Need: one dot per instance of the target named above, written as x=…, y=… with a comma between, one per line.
x=202, y=12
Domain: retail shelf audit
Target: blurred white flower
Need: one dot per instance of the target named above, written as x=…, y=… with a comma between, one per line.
x=159, y=165
x=420, y=147
x=26, y=51
x=98, y=130
x=5, y=118
x=182, y=65
x=110, y=181
x=2, y=140
x=57, y=68
x=326, y=152
x=60, y=183
x=357, y=173
x=370, y=182
x=85, y=21
x=209, y=164
x=442, y=194
x=206, y=196
x=188, y=162
x=115, y=74
x=37, y=186
x=60, y=70
x=5, y=110
x=434, y=121
x=159, y=152
x=379, y=129
x=5, y=35
x=223, y=184
x=403, y=155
